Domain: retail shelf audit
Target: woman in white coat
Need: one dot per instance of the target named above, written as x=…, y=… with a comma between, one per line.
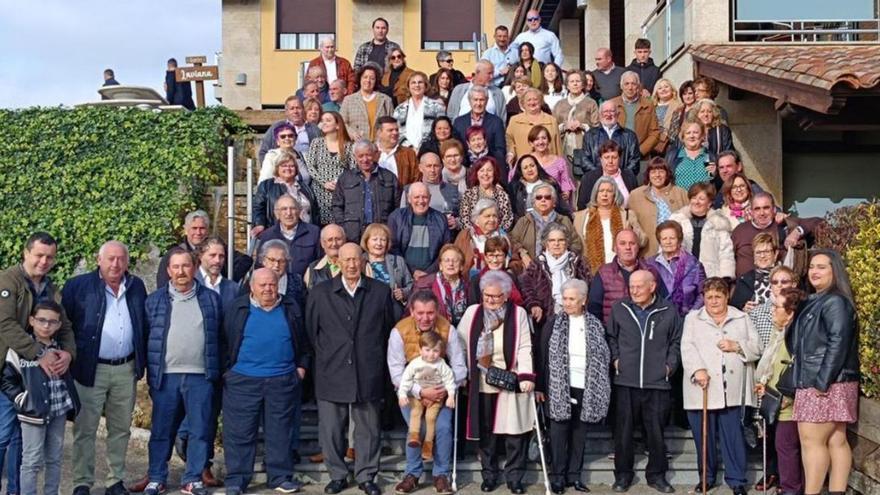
x=719, y=346
x=496, y=334
x=707, y=232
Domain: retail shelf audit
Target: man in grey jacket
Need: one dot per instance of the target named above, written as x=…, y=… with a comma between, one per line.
x=644, y=336
x=458, y=100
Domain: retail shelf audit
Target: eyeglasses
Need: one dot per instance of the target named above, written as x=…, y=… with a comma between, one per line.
x=544, y=197
x=739, y=187
x=494, y=255
x=765, y=252
x=784, y=281
x=48, y=323
x=285, y=136
x=493, y=297
x=274, y=261
x=531, y=19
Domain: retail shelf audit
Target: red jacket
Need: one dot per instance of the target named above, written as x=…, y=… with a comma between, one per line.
x=343, y=71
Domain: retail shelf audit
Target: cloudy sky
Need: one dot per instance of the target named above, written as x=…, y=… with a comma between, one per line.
x=54, y=52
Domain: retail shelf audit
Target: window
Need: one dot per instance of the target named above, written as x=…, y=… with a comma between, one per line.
x=438, y=33
x=300, y=24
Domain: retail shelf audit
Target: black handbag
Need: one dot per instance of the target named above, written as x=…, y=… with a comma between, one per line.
x=501, y=378
x=771, y=404
x=785, y=385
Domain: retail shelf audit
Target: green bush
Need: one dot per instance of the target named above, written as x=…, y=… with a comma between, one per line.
x=855, y=233
x=91, y=174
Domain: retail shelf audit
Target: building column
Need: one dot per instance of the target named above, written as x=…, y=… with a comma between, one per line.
x=241, y=55
x=597, y=30
x=637, y=12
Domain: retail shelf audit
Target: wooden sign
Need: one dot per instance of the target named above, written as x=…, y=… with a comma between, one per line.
x=197, y=73
x=197, y=59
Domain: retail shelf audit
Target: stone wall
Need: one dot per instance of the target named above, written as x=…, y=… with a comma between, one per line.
x=864, y=438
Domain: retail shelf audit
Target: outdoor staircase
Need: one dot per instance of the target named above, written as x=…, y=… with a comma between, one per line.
x=598, y=468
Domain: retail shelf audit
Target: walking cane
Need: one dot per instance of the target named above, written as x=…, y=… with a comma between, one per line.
x=455, y=443
x=705, y=440
x=541, y=447
x=764, y=452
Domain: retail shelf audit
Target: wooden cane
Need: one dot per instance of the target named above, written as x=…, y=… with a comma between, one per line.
x=704, y=439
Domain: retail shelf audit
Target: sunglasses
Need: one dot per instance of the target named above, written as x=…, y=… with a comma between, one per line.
x=780, y=282
x=544, y=197
x=285, y=136
x=396, y=57
x=530, y=19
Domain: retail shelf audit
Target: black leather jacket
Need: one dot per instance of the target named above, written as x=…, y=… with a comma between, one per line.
x=824, y=342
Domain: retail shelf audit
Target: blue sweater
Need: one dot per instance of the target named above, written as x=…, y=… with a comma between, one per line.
x=266, y=346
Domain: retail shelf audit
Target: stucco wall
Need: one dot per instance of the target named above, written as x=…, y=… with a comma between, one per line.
x=241, y=53
x=596, y=29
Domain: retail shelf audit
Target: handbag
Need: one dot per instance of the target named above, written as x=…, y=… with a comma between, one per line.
x=785, y=384
x=501, y=378
x=771, y=404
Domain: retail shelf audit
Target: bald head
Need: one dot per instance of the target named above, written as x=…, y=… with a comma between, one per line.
x=332, y=237
x=608, y=113
x=350, y=262
x=264, y=287
x=431, y=168
x=419, y=197
x=642, y=286
x=603, y=59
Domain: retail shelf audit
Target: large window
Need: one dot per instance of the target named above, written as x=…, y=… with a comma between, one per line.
x=450, y=24
x=300, y=24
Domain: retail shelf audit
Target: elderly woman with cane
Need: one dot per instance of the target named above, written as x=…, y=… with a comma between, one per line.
x=573, y=382
x=498, y=345
x=719, y=343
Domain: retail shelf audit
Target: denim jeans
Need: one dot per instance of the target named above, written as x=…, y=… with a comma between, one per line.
x=43, y=445
x=183, y=430
x=10, y=443
x=181, y=394
x=442, y=445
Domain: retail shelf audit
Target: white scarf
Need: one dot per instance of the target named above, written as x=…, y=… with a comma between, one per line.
x=558, y=275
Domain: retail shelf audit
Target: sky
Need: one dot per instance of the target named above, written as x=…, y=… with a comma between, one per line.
x=54, y=52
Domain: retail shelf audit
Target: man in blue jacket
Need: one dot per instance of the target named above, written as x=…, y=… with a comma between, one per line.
x=418, y=231
x=106, y=310
x=302, y=239
x=183, y=367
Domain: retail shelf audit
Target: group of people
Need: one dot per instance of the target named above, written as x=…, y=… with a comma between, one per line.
x=433, y=246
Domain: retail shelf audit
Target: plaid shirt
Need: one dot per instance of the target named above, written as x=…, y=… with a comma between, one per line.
x=363, y=54
x=59, y=399
x=762, y=318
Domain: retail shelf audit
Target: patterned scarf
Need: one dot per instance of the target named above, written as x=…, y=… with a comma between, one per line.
x=663, y=210
x=476, y=156
x=380, y=272
x=595, y=236
x=740, y=211
x=540, y=223
x=453, y=298
x=492, y=319
x=762, y=285
x=597, y=389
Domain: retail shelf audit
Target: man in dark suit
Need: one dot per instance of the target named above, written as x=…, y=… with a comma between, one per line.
x=493, y=127
x=303, y=239
x=348, y=319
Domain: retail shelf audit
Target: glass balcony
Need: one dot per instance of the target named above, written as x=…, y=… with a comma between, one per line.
x=806, y=21
x=665, y=29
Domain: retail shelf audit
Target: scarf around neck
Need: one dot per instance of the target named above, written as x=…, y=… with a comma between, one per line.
x=595, y=236
x=559, y=274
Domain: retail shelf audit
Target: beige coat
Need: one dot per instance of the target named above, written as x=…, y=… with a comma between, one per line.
x=525, y=234
x=518, y=134
x=716, y=247
x=699, y=351
x=643, y=206
x=630, y=221
x=354, y=113
x=514, y=412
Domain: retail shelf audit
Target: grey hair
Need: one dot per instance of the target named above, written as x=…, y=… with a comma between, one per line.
x=296, y=204
x=496, y=278
x=618, y=196
x=112, y=243
x=338, y=82
x=188, y=220
x=577, y=284
x=478, y=89
x=364, y=143
x=630, y=73
x=325, y=38
x=275, y=244
x=481, y=206
x=555, y=227
x=442, y=54
x=530, y=202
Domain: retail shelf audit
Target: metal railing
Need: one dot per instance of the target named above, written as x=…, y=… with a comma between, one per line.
x=805, y=21
x=665, y=29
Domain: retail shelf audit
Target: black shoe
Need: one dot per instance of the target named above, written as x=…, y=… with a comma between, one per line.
x=557, y=488
x=699, y=487
x=117, y=488
x=579, y=486
x=370, y=488
x=661, y=485
x=488, y=486
x=620, y=486
x=180, y=448
x=516, y=487
x=335, y=486
x=84, y=490
x=740, y=490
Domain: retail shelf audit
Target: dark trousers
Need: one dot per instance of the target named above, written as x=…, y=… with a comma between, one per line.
x=515, y=445
x=181, y=393
x=733, y=445
x=332, y=430
x=246, y=401
x=183, y=431
x=772, y=461
x=567, y=439
x=788, y=451
x=652, y=407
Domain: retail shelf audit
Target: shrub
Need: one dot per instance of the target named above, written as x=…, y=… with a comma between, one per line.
x=91, y=174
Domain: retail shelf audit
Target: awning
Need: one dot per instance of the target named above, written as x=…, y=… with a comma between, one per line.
x=817, y=77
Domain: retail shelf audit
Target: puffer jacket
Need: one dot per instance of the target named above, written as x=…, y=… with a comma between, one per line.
x=27, y=386
x=348, y=200
x=716, y=247
x=824, y=342
x=158, y=310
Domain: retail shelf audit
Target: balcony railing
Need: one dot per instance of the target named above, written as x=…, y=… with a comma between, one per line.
x=806, y=21
x=665, y=29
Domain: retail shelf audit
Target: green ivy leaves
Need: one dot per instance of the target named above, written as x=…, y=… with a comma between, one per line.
x=91, y=174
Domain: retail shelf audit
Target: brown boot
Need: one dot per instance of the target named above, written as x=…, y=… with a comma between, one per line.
x=317, y=458
x=349, y=454
x=428, y=450
x=442, y=486
x=209, y=480
x=408, y=485
x=139, y=485
x=413, y=440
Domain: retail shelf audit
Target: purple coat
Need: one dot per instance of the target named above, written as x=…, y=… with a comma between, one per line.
x=688, y=293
